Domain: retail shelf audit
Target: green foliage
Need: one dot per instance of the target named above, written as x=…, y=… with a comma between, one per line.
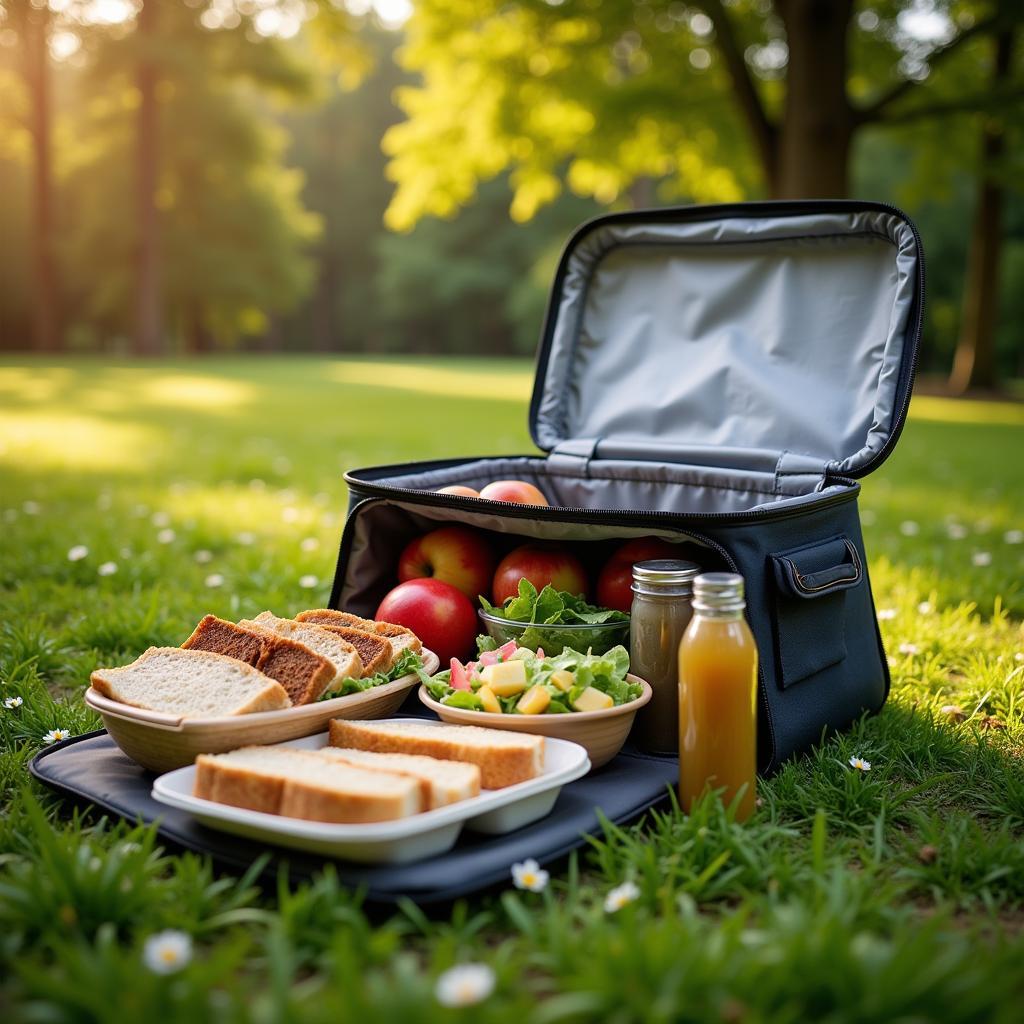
x=849, y=897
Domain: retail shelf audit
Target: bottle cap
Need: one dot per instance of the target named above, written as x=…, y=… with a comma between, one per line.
x=664, y=576
x=718, y=591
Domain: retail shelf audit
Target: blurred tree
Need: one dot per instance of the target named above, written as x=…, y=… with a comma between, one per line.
x=148, y=305
x=974, y=364
x=30, y=24
x=712, y=98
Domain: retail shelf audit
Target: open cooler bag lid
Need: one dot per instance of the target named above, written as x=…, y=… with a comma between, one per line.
x=751, y=334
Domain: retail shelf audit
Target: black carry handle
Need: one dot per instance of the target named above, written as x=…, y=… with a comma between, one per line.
x=801, y=573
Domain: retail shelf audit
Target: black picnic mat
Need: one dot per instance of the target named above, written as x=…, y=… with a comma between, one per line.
x=92, y=768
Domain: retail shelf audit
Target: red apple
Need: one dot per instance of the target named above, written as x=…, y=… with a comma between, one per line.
x=518, y=491
x=613, y=585
x=540, y=565
x=466, y=492
x=453, y=554
x=441, y=616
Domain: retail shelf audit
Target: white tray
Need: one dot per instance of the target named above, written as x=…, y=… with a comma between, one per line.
x=494, y=811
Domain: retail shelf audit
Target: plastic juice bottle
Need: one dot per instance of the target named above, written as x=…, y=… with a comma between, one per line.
x=718, y=695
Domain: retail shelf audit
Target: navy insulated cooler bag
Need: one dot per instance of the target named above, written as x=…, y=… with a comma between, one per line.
x=718, y=376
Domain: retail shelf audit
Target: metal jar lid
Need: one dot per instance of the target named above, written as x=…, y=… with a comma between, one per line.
x=719, y=591
x=664, y=576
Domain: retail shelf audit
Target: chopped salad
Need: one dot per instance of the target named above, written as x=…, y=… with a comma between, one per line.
x=518, y=680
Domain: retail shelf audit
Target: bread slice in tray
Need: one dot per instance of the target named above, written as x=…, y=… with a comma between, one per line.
x=375, y=652
x=303, y=673
x=190, y=683
x=299, y=784
x=441, y=782
x=340, y=653
x=399, y=637
x=504, y=758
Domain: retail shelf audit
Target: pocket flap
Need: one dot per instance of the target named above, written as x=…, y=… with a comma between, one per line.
x=824, y=567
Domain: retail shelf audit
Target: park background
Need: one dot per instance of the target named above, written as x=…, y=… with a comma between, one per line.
x=246, y=245
x=187, y=176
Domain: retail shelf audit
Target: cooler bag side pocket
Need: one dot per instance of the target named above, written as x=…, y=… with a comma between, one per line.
x=810, y=605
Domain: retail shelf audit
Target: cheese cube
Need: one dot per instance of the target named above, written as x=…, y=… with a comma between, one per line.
x=534, y=701
x=592, y=699
x=489, y=700
x=506, y=678
x=563, y=679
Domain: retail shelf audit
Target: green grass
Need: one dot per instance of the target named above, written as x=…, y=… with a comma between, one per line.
x=892, y=896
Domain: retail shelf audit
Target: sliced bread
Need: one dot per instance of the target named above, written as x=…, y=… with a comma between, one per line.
x=375, y=652
x=332, y=617
x=192, y=684
x=223, y=637
x=504, y=758
x=298, y=784
x=303, y=673
x=340, y=653
x=399, y=637
x=441, y=782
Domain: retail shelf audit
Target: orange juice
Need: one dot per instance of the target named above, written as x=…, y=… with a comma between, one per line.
x=718, y=696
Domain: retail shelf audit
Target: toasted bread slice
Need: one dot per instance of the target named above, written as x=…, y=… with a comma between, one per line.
x=441, y=782
x=340, y=653
x=375, y=652
x=303, y=673
x=297, y=784
x=192, y=684
x=399, y=637
x=331, y=617
x=223, y=637
x=504, y=758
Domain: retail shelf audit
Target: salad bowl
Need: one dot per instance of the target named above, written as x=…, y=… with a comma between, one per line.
x=602, y=733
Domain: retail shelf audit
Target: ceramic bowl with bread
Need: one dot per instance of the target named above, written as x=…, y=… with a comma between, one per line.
x=262, y=680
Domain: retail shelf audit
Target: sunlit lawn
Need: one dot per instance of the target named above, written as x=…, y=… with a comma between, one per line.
x=216, y=486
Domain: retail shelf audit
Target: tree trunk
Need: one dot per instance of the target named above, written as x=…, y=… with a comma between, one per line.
x=45, y=289
x=148, y=312
x=813, y=144
x=974, y=362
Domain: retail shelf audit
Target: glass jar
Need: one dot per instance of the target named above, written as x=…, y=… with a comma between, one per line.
x=661, y=611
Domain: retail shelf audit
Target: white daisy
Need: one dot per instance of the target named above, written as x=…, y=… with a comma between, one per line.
x=1013, y=537
x=309, y=581
x=322, y=498
x=257, y=485
x=166, y=536
x=981, y=559
x=464, y=985
x=140, y=511
x=886, y=613
x=126, y=552
x=860, y=764
x=107, y=569
x=528, y=874
x=13, y=702
x=56, y=736
x=214, y=580
x=246, y=537
x=202, y=556
x=309, y=544
x=1019, y=656
x=167, y=952
x=160, y=519
x=620, y=896
x=910, y=649
x=909, y=528
x=956, y=531
x=868, y=517
x=925, y=608
x=31, y=508
x=290, y=514
x=77, y=553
